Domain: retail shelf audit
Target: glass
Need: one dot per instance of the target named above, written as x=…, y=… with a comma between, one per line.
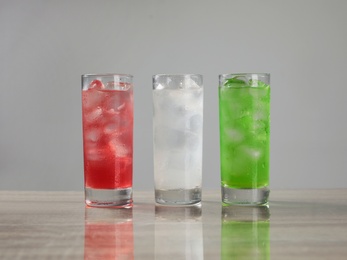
x=245, y=232
x=177, y=130
x=108, y=234
x=244, y=114
x=107, y=113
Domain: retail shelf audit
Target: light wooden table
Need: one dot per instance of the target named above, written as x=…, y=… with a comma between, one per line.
x=299, y=224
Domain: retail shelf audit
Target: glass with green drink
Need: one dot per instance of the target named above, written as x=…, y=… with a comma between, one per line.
x=244, y=114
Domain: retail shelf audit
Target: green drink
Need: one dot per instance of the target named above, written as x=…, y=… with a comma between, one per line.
x=244, y=112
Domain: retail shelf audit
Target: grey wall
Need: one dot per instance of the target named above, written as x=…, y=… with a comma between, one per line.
x=46, y=45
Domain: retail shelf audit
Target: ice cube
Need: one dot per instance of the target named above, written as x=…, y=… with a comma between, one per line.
x=178, y=160
x=259, y=115
x=198, y=94
x=95, y=154
x=192, y=141
x=115, y=85
x=234, y=135
x=189, y=83
x=253, y=152
x=237, y=82
x=195, y=123
x=96, y=84
x=93, y=115
x=119, y=148
x=121, y=106
x=110, y=85
x=179, y=102
x=116, y=103
x=111, y=127
x=255, y=82
x=159, y=86
x=92, y=99
x=193, y=100
x=168, y=138
x=259, y=94
x=165, y=103
x=93, y=135
x=186, y=101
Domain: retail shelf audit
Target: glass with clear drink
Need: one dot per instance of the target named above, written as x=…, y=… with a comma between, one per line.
x=177, y=142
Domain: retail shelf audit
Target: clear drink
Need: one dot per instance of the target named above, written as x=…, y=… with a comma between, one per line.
x=107, y=113
x=177, y=128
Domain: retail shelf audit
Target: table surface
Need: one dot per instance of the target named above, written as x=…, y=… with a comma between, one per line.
x=300, y=224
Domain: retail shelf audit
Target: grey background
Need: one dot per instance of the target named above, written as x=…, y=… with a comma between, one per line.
x=46, y=45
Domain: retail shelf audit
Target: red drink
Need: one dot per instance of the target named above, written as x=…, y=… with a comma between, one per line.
x=107, y=109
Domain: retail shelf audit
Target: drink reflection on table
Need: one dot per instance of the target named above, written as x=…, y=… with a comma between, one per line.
x=178, y=233
x=245, y=232
x=108, y=234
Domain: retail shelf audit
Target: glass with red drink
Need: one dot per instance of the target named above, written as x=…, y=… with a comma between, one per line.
x=107, y=115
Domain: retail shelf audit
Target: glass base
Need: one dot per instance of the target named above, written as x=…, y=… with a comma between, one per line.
x=245, y=196
x=117, y=198
x=178, y=196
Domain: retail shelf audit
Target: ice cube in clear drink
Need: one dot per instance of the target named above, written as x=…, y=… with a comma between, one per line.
x=195, y=123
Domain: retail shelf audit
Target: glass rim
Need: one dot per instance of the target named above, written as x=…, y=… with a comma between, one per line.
x=244, y=73
x=176, y=75
x=106, y=75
